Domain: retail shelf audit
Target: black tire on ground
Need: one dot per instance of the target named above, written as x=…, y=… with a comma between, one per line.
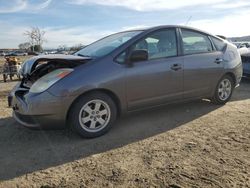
x=75, y=111
x=216, y=99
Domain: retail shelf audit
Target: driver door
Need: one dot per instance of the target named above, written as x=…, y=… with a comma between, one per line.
x=158, y=80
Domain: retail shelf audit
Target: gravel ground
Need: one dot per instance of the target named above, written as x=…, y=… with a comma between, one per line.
x=195, y=144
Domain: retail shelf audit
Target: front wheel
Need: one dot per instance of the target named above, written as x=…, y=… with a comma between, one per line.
x=92, y=115
x=224, y=90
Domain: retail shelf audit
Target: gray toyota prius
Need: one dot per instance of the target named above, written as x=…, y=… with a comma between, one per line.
x=122, y=73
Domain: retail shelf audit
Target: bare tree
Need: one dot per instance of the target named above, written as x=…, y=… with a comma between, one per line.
x=35, y=36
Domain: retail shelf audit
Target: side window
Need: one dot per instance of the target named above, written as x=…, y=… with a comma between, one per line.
x=194, y=42
x=159, y=44
x=219, y=44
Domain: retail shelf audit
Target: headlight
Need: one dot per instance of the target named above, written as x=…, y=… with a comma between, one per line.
x=48, y=80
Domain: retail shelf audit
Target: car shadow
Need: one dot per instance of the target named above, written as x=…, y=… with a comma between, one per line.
x=245, y=81
x=24, y=151
x=243, y=92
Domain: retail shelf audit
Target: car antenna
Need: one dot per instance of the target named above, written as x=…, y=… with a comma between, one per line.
x=190, y=17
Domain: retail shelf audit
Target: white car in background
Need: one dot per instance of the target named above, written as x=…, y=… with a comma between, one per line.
x=2, y=53
x=17, y=53
x=243, y=47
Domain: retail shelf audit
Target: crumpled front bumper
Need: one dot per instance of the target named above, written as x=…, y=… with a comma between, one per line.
x=42, y=110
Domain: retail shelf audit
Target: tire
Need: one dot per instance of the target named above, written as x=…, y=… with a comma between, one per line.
x=224, y=90
x=93, y=115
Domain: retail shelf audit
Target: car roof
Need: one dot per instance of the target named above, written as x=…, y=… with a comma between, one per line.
x=174, y=26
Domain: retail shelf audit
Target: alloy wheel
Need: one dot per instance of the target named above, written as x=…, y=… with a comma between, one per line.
x=94, y=115
x=225, y=89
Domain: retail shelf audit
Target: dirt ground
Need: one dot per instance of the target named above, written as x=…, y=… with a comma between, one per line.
x=196, y=144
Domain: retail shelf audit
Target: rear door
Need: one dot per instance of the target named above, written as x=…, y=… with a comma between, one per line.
x=203, y=64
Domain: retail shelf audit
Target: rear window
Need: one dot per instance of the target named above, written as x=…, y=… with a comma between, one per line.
x=219, y=44
x=194, y=42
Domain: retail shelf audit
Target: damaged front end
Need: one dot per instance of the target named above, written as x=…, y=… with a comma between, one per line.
x=33, y=105
x=41, y=72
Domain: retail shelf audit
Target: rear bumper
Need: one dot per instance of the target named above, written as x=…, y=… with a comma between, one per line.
x=42, y=110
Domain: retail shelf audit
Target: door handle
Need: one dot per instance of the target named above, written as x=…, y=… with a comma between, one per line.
x=218, y=61
x=176, y=67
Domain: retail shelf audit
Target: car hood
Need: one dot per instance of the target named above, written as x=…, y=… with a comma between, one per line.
x=29, y=66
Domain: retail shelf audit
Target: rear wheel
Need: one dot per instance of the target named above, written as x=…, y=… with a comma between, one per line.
x=93, y=114
x=224, y=90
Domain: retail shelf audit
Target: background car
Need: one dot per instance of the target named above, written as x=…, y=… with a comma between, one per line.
x=17, y=53
x=2, y=53
x=244, y=50
x=32, y=53
x=243, y=47
x=242, y=44
x=246, y=65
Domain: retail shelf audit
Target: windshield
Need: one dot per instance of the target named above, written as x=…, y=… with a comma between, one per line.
x=106, y=45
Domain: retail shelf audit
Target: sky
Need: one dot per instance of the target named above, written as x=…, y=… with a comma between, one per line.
x=71, y=22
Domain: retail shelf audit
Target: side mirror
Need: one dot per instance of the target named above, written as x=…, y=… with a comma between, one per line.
x=138, y=55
